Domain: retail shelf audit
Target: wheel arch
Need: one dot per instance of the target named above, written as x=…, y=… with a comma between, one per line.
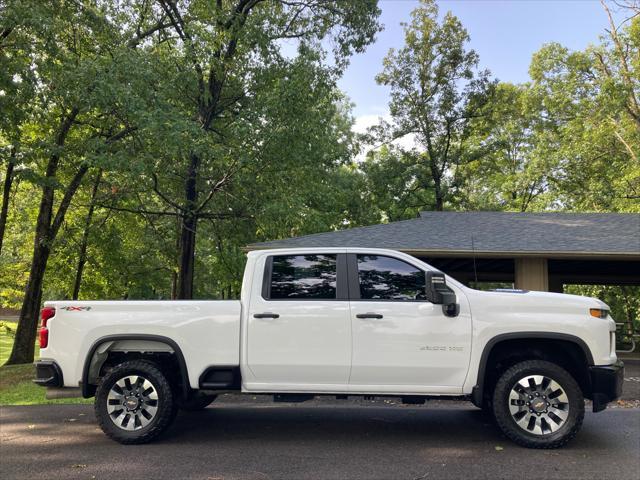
x=88, y=389
x=478, y=392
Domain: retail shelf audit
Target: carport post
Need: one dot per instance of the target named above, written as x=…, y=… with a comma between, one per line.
x=532, y=273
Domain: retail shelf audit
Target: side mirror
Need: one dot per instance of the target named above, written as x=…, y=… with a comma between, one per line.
x=439, y=293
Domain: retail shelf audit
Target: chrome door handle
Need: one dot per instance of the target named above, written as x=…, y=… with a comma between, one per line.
x=266, y=315
x=369, y=315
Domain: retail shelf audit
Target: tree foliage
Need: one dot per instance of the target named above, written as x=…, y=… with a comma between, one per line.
x=165, y=105
x=238, y=95
x=436, y=90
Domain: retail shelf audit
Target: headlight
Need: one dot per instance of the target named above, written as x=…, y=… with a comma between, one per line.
x=599, y=312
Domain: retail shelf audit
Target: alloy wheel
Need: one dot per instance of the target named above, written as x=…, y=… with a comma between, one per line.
x=132, y=402
x=538, y=404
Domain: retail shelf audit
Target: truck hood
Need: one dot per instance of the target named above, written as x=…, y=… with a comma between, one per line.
x=539, y=301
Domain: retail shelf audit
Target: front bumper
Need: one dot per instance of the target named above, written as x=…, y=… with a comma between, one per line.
x=606, y=384
x=48, y=374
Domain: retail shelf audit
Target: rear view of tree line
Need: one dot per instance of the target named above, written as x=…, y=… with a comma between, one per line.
x=569, y=139
x=145, y=142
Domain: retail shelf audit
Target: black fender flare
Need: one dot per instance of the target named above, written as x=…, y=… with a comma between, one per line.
x=89, y=390
x=478, y=390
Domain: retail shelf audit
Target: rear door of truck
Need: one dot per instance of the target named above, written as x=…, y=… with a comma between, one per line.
x=299, y=327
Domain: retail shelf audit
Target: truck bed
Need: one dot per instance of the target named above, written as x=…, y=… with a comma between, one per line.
x=206, y=332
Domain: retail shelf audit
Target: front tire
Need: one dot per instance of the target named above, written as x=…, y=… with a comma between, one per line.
x=538, y=404
x=134, y=403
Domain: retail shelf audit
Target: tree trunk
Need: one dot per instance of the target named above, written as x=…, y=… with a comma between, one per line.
x=437, y=188
x=176, y=260
x=23, y=346
x=188, y=232
x=6, y=192
x=436, y=177
x=174, y=285
x=82, y=256
x=46, y=229
x=439, y=203
x=187, y=257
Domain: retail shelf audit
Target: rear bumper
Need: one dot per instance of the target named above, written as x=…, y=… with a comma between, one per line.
x=48, y=374
x=606, y=384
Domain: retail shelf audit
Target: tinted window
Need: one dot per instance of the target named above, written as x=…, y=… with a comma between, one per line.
x=386, y=278
x=304, y=276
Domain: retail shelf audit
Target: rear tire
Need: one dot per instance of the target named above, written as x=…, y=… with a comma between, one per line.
x=134, y=403
x=538, y=404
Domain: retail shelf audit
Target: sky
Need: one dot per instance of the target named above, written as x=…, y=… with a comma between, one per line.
x=505, y=33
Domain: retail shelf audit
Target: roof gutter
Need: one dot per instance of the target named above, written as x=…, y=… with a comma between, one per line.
x=483, y=253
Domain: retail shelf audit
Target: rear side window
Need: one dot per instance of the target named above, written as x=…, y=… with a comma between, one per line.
x=387, y=278
x=303, y=277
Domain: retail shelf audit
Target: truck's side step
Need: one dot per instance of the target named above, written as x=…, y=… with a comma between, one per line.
x=292, y=397
x=220, y=378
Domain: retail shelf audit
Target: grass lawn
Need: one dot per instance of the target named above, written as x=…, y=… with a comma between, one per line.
x=16, y=386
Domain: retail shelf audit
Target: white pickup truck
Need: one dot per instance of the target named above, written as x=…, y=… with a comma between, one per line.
x=337, y=321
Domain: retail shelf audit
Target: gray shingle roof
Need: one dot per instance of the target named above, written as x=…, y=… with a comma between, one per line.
x=506, y=232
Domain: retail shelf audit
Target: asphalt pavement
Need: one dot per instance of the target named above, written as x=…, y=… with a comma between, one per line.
x=328, y=440
x=250, y=437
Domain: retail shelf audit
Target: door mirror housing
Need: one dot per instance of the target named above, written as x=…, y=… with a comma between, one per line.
x=439, y=293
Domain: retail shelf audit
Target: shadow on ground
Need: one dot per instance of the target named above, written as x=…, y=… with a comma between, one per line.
x=265, y=440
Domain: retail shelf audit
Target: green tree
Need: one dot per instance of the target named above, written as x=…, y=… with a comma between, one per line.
x=17, y=87
x=397, y=186
x=76, y=121
x=436, y=90
x=223, y=55
x=18, y=244
x=186, y=77
x=518, y=144
x=592, y=98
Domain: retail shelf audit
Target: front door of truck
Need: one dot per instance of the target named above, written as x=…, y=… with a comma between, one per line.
x=299, y=330
x=402, y=342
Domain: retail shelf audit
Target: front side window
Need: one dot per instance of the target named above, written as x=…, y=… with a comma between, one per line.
x=387, y=278
x=303, y=277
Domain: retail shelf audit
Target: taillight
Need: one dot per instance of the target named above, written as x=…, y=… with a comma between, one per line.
x=44, y=337
x=45, y=314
